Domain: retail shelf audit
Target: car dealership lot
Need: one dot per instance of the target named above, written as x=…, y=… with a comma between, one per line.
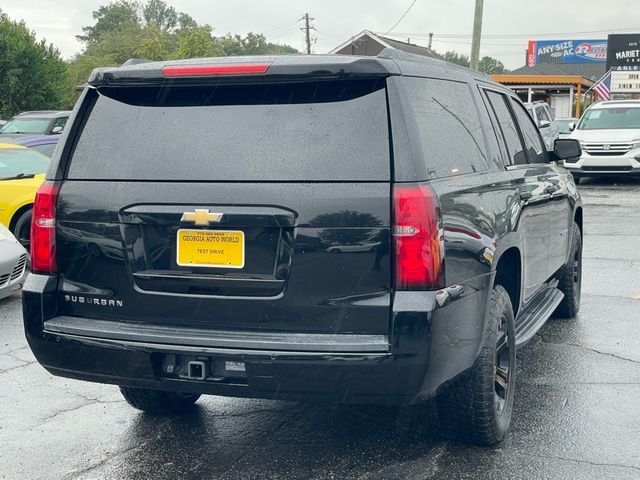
x=577, y=411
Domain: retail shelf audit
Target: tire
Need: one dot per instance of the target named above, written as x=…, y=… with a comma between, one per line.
x=22, y=228
x=157, y=401
x=576, y=180
x=477, y=406
x=571, y=278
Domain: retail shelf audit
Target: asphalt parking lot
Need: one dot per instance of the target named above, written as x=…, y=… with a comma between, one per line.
x=577, y=410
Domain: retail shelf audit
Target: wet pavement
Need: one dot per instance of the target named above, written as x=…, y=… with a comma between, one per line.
x=576, y=414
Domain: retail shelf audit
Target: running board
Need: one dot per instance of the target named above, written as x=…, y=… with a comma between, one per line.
x=538, y=311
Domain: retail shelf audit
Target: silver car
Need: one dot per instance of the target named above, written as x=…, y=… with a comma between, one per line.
x=543, y=118
x=13, y=263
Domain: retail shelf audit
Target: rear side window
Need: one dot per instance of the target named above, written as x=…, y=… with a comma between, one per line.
x=508, y=127
x=532, y=140
x=542, y=115
x=328, y=130
x=448, y=126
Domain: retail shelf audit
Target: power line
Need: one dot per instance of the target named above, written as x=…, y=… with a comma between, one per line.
x=284, y=27
x=513, y=35
x=282, y=33
x=459, y=42
x=401, y=17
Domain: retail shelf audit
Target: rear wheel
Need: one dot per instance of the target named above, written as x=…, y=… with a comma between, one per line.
x=571, y=278
x=156, y=401
x=477, y=406
x=22, y=228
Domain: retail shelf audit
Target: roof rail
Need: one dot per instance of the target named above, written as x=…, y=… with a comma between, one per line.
x=397, y=54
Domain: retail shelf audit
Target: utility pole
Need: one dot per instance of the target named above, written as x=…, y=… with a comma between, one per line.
x=430, y=40
x=307, y=31
x=477, y=32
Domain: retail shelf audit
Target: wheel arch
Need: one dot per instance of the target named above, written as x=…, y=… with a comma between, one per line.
x=577, y=217
x=508, y=274
x=17, y=213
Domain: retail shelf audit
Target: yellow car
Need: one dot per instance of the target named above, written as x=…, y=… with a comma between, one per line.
x=22, y=170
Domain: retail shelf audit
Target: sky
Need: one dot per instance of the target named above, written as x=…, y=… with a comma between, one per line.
x=507, y=24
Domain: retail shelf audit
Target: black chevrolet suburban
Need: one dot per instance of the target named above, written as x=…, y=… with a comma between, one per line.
x=349, y=229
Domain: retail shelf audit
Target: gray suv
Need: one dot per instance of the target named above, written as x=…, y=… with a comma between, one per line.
x=542, y=116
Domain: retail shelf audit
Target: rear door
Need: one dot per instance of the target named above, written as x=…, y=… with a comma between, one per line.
x=529, y=177
x=559, y=208
x=254, y=206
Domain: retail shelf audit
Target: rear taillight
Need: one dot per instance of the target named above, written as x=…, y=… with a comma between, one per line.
x=43, y=229
x=417, y=237
x=205, y=70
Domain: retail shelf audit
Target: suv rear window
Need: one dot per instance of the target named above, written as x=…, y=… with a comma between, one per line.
x=324, y=130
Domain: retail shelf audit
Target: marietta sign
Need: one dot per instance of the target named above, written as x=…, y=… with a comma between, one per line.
x=624, y=52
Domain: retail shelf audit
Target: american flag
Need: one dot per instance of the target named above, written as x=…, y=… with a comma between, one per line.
x=603, y=87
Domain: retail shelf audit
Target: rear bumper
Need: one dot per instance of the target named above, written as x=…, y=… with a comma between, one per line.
x=428, y=346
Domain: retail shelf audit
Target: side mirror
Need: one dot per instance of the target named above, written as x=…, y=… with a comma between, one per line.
x=56, y=130
x=545, y=124
x=567, y=148
x=572, y=126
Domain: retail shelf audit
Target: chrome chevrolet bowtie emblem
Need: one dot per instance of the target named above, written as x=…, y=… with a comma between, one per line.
x=201, y=217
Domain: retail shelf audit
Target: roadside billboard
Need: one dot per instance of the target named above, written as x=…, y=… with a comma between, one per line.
x=566, y=51
x=624, y=52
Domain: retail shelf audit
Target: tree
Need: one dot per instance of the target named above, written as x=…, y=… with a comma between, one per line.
x=155, y=31
x=487, y=64
x=251, y=44
x=157, y=13
x=111, y=18
x=196, y=42
x=33, y=75
x=491, y=66
x=457, y=58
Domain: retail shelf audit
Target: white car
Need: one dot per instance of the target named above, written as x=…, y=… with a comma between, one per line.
x=13, y=263
x=609, y=133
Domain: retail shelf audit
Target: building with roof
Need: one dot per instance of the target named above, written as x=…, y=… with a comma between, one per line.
x=552, y=84
x=367, y=43
x=557, y=82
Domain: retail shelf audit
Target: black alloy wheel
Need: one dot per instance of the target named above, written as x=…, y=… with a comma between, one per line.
x=503, y=366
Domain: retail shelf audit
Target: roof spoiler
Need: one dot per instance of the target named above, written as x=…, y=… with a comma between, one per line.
x=136, y=71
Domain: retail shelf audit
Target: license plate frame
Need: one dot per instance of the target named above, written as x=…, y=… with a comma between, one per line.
x=197, y=259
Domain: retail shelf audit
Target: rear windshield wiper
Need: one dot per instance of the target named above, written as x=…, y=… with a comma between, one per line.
x=19, y=175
